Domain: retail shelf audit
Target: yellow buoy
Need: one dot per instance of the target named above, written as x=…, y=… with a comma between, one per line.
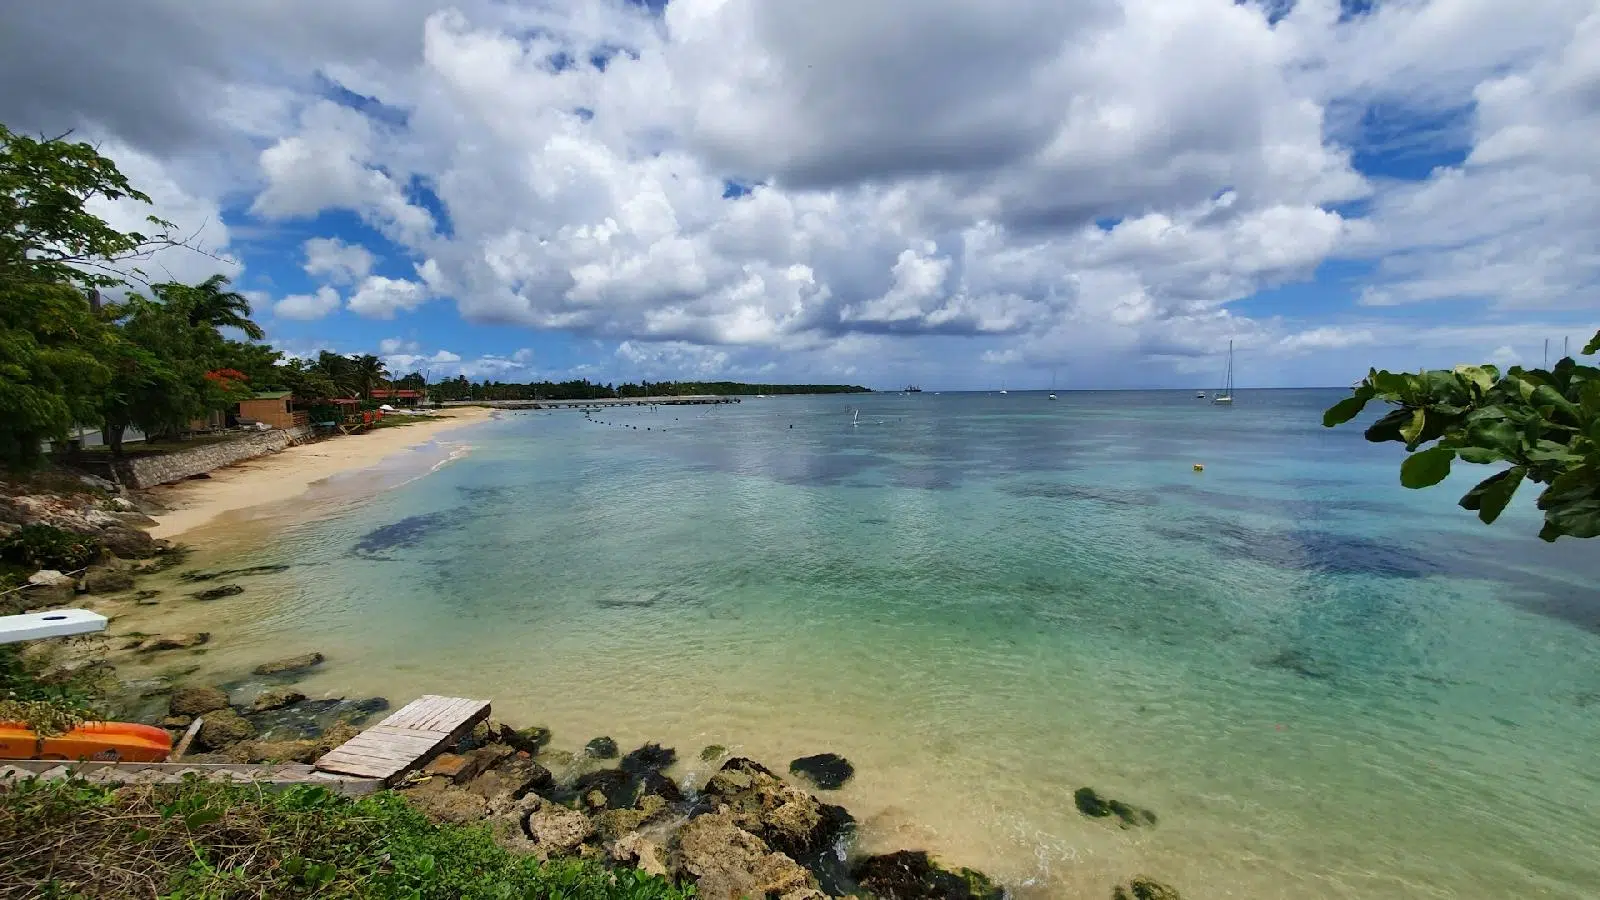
x=1199, y=468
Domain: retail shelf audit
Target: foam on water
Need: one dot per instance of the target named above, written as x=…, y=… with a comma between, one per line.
x=1325, y=686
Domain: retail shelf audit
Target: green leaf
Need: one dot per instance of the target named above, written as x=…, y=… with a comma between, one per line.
x=1346, y=409
x=1388, y=427
x=1412, y=430
x=1426, y=468
x=1572, y=504
x=1491, y=495
x=1478, y=455
x=1593, y=346
x=200, y=817
x=1392, y=384
x=1482, y=377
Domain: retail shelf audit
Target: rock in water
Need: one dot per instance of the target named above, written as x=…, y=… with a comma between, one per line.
x=828, y=771
x=787, y=818
x=651, y=757
x=275, y=699
x=1142, y=888
x=1095, y=806
x=172, y=642
x=289, y=664
x=728, y=863
x=217, y=593
x=614, y=788
x=712, y=752
x=223, y=728
x=195, y=701
x=107, y=579
x=601, y=748
x=912, y=875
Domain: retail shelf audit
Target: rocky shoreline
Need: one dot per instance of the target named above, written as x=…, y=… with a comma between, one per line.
x=745, y=831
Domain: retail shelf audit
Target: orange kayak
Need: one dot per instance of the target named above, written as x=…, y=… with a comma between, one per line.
x=98, y=741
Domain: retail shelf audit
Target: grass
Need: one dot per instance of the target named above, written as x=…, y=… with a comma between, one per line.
x=199, y=841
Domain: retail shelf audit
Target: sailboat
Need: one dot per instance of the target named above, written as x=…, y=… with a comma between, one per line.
x=1225, y=396
x=1052, y=384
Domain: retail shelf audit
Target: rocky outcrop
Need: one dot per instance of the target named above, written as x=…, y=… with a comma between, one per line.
x=913, y=875
x=108, y=579
x=196, y=701
x=601, y=748
x=552, y=829
x=222, y=729
x=787, y=818
x=49, y=587
x=217, y=593
x=727, y=862
x=290, y=664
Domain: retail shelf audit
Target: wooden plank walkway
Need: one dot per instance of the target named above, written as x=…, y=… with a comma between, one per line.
x=276, y=776
x=406, y=740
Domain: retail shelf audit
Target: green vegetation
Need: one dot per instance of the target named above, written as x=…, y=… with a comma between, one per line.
x=198, y=840
x=36, y=547
x=462, y=389
x=1545, y=424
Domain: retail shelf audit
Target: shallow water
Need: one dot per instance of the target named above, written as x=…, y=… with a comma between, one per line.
x=1324, y=685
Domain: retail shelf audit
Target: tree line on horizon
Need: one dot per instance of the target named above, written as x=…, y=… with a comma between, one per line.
x=460, y=388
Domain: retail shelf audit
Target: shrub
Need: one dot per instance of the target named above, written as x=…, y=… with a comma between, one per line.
x=44, y=547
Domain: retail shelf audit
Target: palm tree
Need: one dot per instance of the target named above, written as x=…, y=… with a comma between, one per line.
x=368, y=372
x=211, y=304
x=339, y=370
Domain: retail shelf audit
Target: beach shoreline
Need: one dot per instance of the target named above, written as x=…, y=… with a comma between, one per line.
x=193, y=504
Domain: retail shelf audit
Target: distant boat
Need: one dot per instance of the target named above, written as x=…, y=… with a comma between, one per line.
x=1052, y=384
x=913, y=389
x=856, y=419
x=1199, y=395
x=1225, y=396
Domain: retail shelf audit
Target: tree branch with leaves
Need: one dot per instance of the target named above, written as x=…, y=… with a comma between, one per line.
x=1544, y=423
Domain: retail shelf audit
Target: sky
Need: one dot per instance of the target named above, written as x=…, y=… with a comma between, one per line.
x=961, y=194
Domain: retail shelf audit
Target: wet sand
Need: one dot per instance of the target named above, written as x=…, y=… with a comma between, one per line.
x=290, y=473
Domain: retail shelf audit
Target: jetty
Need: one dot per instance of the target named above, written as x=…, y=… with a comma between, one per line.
x=376, y=758
x=599, y=403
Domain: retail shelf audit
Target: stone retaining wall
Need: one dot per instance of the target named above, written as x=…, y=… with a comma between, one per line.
x=149, y=471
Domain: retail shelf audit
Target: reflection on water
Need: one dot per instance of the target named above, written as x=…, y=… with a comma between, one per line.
x=1322, y=685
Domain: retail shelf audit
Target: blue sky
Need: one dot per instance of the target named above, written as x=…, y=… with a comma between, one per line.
x=933, y=191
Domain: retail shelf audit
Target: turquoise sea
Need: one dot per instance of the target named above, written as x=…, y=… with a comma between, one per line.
x=1324, y=685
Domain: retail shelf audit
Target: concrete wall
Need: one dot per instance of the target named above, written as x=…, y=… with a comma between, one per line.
x=148, y=471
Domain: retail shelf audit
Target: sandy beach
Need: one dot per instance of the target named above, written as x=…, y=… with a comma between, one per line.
x=290, y=473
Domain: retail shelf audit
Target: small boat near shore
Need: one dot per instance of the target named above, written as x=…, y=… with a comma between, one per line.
x=98, y=741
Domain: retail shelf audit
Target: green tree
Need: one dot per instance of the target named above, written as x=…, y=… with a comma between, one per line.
x=47, y=234
x=369, y=374
x=53, y=253
x=339, y=371
x=1545, y=424
x=210, y=305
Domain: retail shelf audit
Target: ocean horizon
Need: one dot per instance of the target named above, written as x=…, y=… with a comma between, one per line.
x=1321, y=684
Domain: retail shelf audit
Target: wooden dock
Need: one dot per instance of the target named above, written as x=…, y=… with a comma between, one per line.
x=174, y=773
x=406, y=740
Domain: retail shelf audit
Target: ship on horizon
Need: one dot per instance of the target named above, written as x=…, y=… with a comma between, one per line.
x=913, y=389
